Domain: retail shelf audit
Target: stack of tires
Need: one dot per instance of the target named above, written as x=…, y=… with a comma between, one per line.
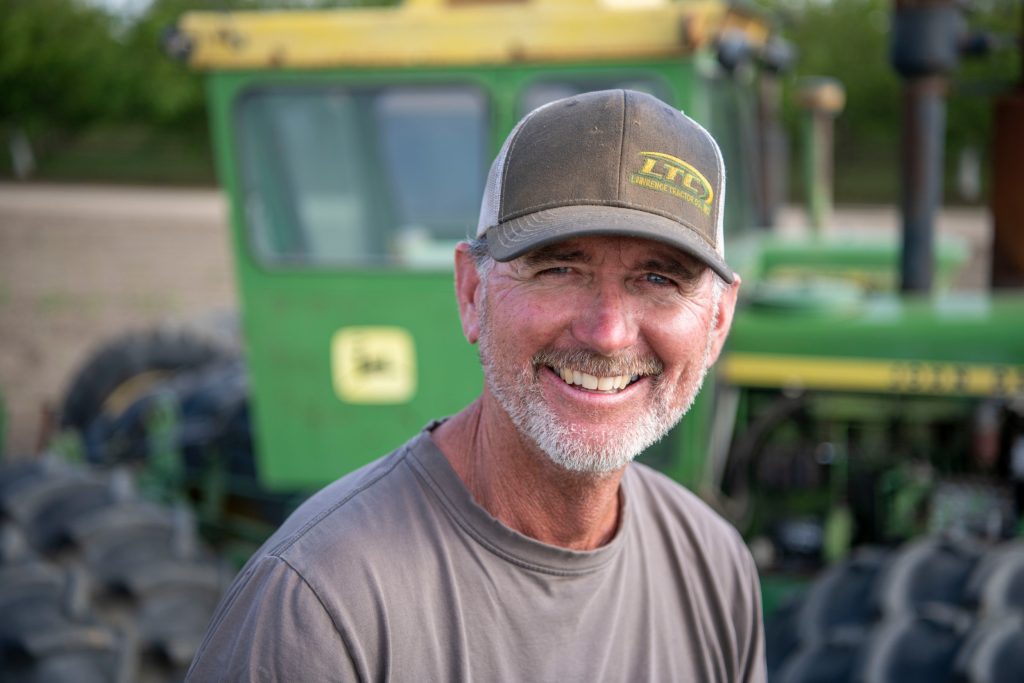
x=937, y=609
x=97, y=584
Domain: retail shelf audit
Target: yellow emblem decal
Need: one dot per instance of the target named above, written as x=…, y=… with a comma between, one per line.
x=373, y=365
x=666, y=173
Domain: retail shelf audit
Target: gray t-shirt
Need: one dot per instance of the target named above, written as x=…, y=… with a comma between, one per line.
x=394, y=573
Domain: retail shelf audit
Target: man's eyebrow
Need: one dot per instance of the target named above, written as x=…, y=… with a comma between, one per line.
x=555, y=254
x=690, y=270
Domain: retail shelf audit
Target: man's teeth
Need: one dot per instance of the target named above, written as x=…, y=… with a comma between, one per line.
x=594, y=383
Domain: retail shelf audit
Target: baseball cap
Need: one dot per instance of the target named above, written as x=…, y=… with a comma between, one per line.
x=611, y=162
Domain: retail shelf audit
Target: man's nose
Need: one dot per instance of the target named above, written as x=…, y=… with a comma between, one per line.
x=606, y=322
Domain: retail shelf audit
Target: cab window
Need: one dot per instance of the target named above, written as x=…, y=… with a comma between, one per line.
x=347, y=176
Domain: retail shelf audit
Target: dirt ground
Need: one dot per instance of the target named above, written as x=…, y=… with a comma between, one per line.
x=80, y=264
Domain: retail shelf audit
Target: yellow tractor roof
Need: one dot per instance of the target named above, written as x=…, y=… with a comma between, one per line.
x=454, y=32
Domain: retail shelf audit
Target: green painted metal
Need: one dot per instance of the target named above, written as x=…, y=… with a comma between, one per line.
x=873, y=263
x=817, y=190
x=967, y=328
x=305, y=432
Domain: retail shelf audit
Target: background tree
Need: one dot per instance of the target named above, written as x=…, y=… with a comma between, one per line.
x=58, y=68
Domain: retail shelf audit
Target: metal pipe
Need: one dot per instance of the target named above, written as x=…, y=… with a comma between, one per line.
x=775, y=58
x=822, y=99
x=924, y=49
x=924, y=129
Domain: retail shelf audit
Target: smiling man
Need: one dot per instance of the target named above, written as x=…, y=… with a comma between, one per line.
x=515, y=540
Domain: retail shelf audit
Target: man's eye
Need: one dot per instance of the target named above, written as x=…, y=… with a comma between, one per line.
x=656, y=279
x=556, y=270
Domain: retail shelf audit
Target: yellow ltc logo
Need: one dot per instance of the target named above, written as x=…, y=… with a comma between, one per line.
x=666, y=173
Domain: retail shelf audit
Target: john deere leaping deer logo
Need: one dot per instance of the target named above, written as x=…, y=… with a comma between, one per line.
x=666, y=173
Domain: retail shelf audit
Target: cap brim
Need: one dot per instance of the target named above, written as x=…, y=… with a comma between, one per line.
x=518, y=236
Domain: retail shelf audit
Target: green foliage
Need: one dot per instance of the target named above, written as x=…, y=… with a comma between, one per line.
x=58, y=63
x=132, y=153
x=980, y=79
x=168, y=94
x=848, y=40
x=72, y=74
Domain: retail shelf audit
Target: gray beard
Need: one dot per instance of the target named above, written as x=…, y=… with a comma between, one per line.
x=520, y=396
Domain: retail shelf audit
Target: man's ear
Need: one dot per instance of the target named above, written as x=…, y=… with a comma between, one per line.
x=467, y=292
x=723, y=319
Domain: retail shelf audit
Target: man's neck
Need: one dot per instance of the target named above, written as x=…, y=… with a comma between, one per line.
x=519, y=486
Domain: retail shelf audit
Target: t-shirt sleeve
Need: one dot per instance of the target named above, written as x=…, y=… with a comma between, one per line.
x=272, y=627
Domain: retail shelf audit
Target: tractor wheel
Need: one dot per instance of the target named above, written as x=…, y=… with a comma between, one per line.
x=939, y=608
x=97, y=584
x=124, y=367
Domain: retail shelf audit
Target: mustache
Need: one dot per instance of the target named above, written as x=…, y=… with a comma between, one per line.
x=630, y=363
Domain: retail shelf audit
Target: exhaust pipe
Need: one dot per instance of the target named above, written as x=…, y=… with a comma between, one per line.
x=924, y=49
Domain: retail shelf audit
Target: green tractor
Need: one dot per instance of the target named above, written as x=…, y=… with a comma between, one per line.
x=353, y=145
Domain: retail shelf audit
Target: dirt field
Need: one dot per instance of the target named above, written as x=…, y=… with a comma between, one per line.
x=79, y=264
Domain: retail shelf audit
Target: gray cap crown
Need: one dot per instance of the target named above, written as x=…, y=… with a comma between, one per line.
x=609, y=162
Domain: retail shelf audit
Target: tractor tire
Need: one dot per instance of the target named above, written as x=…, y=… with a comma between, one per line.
x=123, y=367
x=938, y=608
x=97, y=584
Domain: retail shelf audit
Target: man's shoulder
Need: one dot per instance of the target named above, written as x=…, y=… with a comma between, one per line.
x=358, y=512
x=662, y=500
x=363, y=536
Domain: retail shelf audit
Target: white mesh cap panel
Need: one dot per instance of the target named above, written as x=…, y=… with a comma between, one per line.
x=490, y=206
x=720, y=223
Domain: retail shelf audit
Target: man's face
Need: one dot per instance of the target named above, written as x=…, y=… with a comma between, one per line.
x=595, y=347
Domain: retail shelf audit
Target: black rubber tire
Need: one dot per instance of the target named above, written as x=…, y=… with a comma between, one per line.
x=97, y=584
x=935, y=608
x=163, y=352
